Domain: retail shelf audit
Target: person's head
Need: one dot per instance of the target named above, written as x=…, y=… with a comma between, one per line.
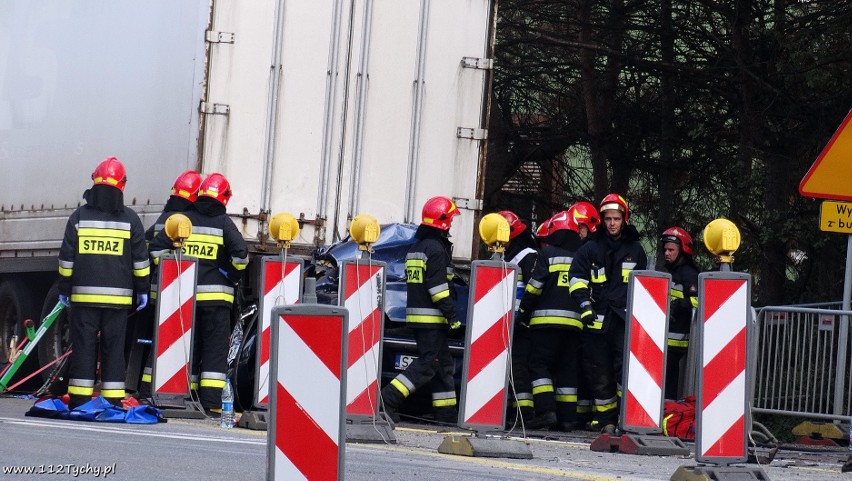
x=438, y=212
x=614, y=214
x=586, y=217
x=110, y=172
x=564, y=231
x=186, y=185
x=676, y=243
x=216, y=186
x=563, y=221
x=515, y=224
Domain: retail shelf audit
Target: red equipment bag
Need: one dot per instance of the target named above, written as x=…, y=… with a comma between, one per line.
x=679, y=418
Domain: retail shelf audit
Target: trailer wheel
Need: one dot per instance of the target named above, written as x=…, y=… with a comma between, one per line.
x=17, y=303
x=55, y=341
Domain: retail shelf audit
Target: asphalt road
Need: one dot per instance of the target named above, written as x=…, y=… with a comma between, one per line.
x=200, y=450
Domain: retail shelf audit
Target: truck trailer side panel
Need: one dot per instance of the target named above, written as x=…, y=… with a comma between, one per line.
x=363, y=104
x=81, y=81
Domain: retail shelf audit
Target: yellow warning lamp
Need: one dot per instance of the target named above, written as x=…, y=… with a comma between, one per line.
x=494, y=231
x=283, y=228
x=365, y=231
x=178, y=228
x=722, y=239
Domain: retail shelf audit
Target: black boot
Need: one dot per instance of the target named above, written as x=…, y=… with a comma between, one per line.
x=543, y=421
x=391, y=400
x=447, y=415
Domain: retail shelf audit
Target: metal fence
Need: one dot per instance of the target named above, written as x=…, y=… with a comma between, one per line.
x=801, y=364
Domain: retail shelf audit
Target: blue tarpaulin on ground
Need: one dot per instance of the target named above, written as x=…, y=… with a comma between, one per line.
x=98, y=409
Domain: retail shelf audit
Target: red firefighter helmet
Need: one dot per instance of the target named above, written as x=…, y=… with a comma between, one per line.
x=217, y=187
x=543, y=229
x=515, y=224
x=186, y=185
x=110, y=172
x=439, y=212
x=615, y=202
x=585, y=213
x=680, y=237
x=563, y=221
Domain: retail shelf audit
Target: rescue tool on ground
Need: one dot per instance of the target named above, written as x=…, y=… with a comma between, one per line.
x=23, y=350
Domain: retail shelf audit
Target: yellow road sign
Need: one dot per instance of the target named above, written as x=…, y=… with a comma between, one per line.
x=835, y=217
x=829, y=177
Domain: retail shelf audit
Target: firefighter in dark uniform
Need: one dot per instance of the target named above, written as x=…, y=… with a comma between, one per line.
x=677, y=256
x=599, y=276
x=430, y=312
x=183, y=194
x=553, y=319
x=102, y=264
x=585, y=214
x=521, y=252
x=222, y=256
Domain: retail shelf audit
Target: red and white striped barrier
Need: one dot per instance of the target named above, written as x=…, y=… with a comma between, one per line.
x=306, y=434
x=491, y=310
x=282, y=285
x=175, y=319
x=647, y=312
x=362, y=288
x=723, y=406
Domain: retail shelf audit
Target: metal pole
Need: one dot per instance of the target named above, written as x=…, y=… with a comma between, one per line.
x=360, y=111
x=417, y=113
x=272, y=103
x=328, y=122
x=840, y=369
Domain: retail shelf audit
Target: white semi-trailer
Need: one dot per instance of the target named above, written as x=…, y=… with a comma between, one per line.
x=323, y=109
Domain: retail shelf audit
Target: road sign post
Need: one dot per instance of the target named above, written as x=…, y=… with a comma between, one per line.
x=644, y=371
x=362, y=293
x=307, y=400
x=828, y=178
x=281, y=284
x=491, y=309
x=173, y=337
x=723, y=409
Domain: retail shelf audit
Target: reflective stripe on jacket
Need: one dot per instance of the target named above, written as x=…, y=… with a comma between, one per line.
x=546, y=300
x=217, y=244
x=601, y=269
x=684, y=301
x=428, y=284
x=103, y=260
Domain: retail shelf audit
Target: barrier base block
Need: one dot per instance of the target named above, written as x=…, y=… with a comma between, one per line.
x=369, y=431
x=255, y=420
x=821, y=430
x=640, y=444
x=478, y=446
x=719, y=473
x=178, y=407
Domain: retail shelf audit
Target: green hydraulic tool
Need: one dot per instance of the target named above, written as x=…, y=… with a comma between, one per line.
x=33, y=336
